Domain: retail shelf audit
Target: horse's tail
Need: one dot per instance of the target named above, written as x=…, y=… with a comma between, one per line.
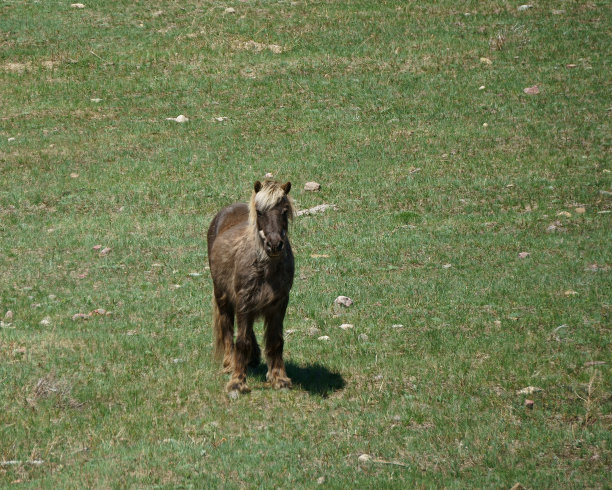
x=217, y=330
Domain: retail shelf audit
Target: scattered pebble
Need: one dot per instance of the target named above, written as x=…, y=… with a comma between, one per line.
x=570, y=292
x=45, y=321
x=179, y=119
x=11, y=139
x=482, y=87
x=485, y=125
x=233, y=395
x=96, y=100
x=580, y=210
x=533, y=90
x=323, y=337
x=220, y=118
x=80, y=316
x=363, y=336
x=529, y=404
x=529, y=390
x=397, y=325
x=195, y=274
x=177, y=360
x=74, y=175
x=522, y=8
x=97, y=247
x=346, y=326
x=77, y=5
x=364, y=458
x=523, y=255
x=378, y=377
x=343, y=301
x=312, y=186
x=230, y=10
x=269, y=175
x=105, y=251
x=316, y=209
x=564, y=213
x=570, y=65
x=321, y=480
x=486, y=61
x=9, y=315
x=447, y=266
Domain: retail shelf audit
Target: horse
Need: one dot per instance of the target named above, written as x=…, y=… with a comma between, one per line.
x=252, y=269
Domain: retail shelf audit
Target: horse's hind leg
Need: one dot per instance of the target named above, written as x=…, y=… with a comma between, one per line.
x=277, y=375
x=255, y=355
x=223, y=324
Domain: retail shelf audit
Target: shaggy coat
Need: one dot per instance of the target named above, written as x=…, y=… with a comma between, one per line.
x=252, y=268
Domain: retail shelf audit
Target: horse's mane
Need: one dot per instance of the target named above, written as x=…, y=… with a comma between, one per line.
x=270, y=194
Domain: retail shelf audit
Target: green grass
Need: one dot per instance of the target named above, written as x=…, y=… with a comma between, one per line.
x=380, y=103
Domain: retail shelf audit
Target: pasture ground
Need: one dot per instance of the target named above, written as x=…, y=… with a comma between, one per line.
x=413, y=117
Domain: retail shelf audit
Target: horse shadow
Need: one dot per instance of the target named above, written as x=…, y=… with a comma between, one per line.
x=313, y=378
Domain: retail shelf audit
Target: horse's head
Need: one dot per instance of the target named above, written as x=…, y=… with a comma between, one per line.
x=270, y=212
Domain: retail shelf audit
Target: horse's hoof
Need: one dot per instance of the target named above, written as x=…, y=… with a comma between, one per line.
x=228, y=369
x=280, y=383
x=236, y=385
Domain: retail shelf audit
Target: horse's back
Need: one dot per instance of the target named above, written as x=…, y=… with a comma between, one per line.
x=233, y=215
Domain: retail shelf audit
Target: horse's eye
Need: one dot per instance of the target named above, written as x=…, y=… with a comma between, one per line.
x=259, y=214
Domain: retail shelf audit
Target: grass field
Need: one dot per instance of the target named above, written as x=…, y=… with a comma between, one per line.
x=471, y=213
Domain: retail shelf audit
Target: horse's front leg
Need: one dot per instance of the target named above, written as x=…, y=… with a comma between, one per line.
x=277, y=375
x=242, y=353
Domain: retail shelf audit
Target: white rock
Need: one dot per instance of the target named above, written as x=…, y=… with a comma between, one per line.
x=77, y=5
x=45, y=321
x=364, y=458
x=220, y=118
x=233, y=395
x=346, y=326
x=482, y=87
x=269, y=175
x=179, y=119
x=323, y=337
x=195, y=274
x=312, y=186
x=522, y=8
x=316, y=209
x=529, y=390
x=447, y=266
x=321, y=480
x=9, y=315
x=397, y=325
x=344, y=301
x=96, y=100
x=230, y=10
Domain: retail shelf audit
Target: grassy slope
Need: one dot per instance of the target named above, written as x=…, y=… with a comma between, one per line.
x=378, y=101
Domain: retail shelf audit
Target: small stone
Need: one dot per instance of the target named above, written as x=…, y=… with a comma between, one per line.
x=179, y=119
x=346, y=326
x=74, y=175
x=321, y=480
x=45, y=321
x=52, y=297
x=230, y=10
x=378, y=377
x=564, y=213
x=11, y=139
x=323, y=337
x=486, y=61
x=397, y=325
x=177, y=360
x=98, y=311
x=269, y=175
x=529, y=390
x=96, y=100
x=482, y=87
x=195, y=274
x=522, y=8
x=447, y=266
x=580, y=210
x=77, y=5
x=9, y=315
x=558, y=12
x=364, y=458
x=570, y=292
x=233, y=395
x=523, y=255
x=80, y=316
x=533, y=90
x=220, y=118
x=485, y=125
x=97, y=247
x=570, y=65
x=363, y=336
x=105, y=251
x=312, y=186
x=529, y=404
x=343, y=301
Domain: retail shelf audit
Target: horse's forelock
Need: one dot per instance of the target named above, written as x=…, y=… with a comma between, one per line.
x=270, y=194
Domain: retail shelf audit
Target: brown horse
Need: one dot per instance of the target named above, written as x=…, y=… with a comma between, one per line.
x=252, y=268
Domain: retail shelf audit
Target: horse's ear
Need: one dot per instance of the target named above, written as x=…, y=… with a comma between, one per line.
x=286, y=187
x=257, y=186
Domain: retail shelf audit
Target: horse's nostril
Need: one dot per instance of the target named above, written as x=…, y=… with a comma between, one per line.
x=280, y=245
